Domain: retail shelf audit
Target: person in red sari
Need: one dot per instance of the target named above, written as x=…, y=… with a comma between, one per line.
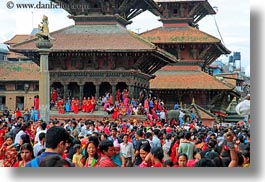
x=18, y=113
x=173, y=151
x=37, y=102
x=84, y=104
x=76, y=106
x=91, y=157
x=61, y=106
x=88, y=107
x=115, y=114
x=93, y=104
x=73, y=104
x=54, y=95
x=118, y=95
x=9, y=151
x=26, y=153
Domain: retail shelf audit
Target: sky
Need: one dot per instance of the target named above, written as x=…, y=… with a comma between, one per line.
x=232, y=18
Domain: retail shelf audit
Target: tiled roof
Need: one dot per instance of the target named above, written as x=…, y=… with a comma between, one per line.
x=180, y=68
x=93, y=37
x=182, y=34
x=17, y=39
x=201, y=113
x=186, y=79
x=16, y=71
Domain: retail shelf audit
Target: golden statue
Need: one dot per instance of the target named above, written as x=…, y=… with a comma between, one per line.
x=44, y=29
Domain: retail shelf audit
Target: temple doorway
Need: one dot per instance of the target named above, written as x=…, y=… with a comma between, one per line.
x=89, y=89
x=74, y=90
x=104, y=88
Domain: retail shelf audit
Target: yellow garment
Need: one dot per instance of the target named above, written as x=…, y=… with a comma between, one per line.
x=77, y=160
x=246, y=165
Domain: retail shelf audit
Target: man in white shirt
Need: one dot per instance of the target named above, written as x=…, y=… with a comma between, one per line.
x=43, y=126
x=127, y=150
x=40, y=145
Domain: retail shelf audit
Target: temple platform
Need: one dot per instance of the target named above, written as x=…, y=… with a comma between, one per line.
x=97, y=115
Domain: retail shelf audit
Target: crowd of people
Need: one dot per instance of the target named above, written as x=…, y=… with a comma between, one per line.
x=121, y=143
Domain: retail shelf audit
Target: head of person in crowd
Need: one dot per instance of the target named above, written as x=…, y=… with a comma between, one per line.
x=103, y=136
x=56, y=139
x=114, y=132
x=168, y=163
x=106, y=147
x=117, y=148
x=139, y=134
x=246, y=158
x=144, y=150
x=205, y=162
x=54, y=161
x=182, y=160
x=91, y=148
x=157, y=155
x=26, y=152
x=24, y=139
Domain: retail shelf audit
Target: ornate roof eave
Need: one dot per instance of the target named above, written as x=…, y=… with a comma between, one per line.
x=128, y=9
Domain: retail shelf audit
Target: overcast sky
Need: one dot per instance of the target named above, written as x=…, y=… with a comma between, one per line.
x=233, y=20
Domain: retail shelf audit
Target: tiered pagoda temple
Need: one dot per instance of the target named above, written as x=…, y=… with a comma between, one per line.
x=98, y=54
x=195, y=50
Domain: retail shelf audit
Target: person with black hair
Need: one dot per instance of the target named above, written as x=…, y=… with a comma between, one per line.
x=91, y=157
x=156, y=140
x=186, y=146
x=246, y=158
x=77, y=157
x=182, y=160
x=54, y=161
x=140, y=140
x=42, y=129
x=40, y=145
x=106, y=147
x=56, y=138
x=26, y=153
x=168, y=163
x=157, y=156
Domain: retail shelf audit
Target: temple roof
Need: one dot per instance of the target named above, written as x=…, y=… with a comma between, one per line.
x=95, y=38
x=181, y=34
x=177, y=77
x=201, y=113
x=127, y=9
x=19, y=71
x=18, y=38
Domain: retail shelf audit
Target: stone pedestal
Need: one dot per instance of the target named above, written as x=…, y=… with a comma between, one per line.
x=44, y=82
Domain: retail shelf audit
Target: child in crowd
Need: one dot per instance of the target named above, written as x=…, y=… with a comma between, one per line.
x=118, y=157
x=77, y=156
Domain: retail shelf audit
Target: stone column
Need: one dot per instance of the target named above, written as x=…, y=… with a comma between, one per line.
x=131, y=91
x=65, y=89
x=44, y=82
x=81, y=95
x=113, y=92
x=97, y=91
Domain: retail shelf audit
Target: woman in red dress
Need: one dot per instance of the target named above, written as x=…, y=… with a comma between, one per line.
x=118, y=95
x=93, y=104
x=9, y=152
x=173, y=151
x=76, y=106
x=37, y=102
x=88, y=108
x=18, y=113
x=91, y=157
x=73, y=104
x=115, y=113
x=26, y=152
x=54, y=95
x=84, y=104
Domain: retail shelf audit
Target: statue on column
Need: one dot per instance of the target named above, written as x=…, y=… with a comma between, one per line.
x=44, y=33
